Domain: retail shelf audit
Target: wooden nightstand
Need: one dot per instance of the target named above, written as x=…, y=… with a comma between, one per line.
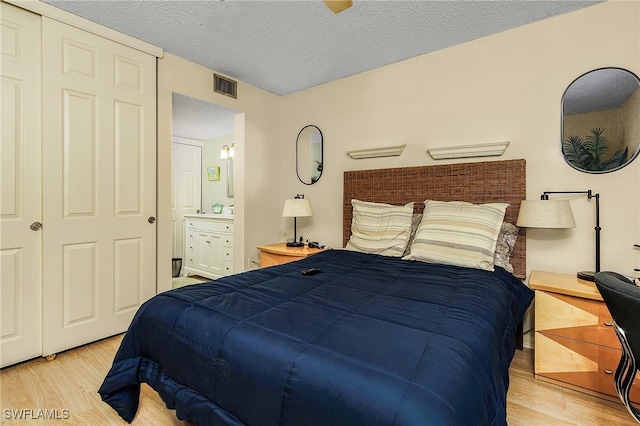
x=278, y=253
x=575, y=346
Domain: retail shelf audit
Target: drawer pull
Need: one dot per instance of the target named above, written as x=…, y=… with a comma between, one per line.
x=607, y=371
x=608, y=324
x=208, y=242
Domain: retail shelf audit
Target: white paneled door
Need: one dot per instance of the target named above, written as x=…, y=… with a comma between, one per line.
x=186, y=177
x=20, y=191
x=99, y=185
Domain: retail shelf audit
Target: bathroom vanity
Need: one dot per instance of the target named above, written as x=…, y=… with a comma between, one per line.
x=209, y=245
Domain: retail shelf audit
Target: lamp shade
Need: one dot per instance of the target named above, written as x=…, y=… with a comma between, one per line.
x=297, y=207
x=545, y=214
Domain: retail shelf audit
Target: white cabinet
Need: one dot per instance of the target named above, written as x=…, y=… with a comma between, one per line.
x=209, y=244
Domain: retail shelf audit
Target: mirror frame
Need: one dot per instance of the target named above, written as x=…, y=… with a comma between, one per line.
x=298, y=153
x=595, y=135
x=230, y=178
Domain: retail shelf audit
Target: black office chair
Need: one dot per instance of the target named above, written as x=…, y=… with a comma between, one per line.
x=622, y=297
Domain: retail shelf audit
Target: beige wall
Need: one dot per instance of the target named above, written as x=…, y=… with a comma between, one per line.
x=503, y=87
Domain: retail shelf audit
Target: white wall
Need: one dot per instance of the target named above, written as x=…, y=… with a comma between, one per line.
x=503, y=87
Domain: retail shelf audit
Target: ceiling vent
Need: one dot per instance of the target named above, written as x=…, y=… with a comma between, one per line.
x=225, y=86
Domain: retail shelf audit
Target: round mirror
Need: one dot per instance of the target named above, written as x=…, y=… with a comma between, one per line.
x=600, y=120
x=309, y=154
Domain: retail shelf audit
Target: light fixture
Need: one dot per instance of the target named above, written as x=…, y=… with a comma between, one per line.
x=227, y=152
x=295, y=208
x=546, y=213
x=338, y=6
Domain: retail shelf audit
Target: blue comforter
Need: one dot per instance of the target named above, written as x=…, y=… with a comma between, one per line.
x=369, y=340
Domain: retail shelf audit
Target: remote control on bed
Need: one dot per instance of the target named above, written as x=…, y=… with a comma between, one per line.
x=310, y=271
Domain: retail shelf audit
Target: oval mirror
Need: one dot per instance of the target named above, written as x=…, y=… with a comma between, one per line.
x=309, y=154
x=600, y=125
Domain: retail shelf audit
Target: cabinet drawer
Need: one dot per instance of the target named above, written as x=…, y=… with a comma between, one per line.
x=227, y=241
x=225, y=226
x=270, y=259
x=578, y=363
x=575, y=318
x=227, y=253
x=227, y=267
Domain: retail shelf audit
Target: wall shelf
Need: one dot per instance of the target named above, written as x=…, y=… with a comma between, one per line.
x=386, y=151
x=492, y=149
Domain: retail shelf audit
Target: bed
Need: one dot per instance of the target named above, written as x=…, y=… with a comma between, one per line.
x=370, y=339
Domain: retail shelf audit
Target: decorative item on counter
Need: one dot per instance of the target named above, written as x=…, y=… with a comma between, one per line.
x=217, y=208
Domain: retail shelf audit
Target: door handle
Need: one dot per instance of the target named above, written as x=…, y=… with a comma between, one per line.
x=151, y=219
x=36, y=226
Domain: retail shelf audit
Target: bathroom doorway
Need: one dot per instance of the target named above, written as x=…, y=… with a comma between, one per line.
x=200, y=130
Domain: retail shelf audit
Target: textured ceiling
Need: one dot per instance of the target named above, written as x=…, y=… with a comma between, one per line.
x=288, y=46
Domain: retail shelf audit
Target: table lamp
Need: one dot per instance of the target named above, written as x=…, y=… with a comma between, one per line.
x=295, y=208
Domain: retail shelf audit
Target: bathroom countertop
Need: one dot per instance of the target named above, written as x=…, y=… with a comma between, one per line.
x=209, y=216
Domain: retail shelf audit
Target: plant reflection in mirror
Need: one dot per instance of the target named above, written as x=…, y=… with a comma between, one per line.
x=591, y=153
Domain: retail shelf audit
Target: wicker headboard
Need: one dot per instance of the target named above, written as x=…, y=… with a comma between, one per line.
x=484, y=182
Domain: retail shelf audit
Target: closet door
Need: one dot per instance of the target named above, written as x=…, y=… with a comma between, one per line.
x=20, y=180
x=99, y=185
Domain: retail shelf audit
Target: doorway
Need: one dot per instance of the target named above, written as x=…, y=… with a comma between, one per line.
x=199, y=123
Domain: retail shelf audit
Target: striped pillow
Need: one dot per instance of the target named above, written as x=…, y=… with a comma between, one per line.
x=458, y=233
x=380, y=228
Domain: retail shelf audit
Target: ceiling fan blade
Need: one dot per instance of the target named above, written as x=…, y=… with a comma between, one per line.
x=338, y=6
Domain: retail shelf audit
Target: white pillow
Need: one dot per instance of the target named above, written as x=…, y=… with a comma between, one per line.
x=380, y=228
x=458, y=233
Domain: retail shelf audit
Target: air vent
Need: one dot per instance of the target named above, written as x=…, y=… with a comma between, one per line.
x=225, y=86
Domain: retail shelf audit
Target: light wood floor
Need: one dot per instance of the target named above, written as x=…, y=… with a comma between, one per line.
x=70, y=382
